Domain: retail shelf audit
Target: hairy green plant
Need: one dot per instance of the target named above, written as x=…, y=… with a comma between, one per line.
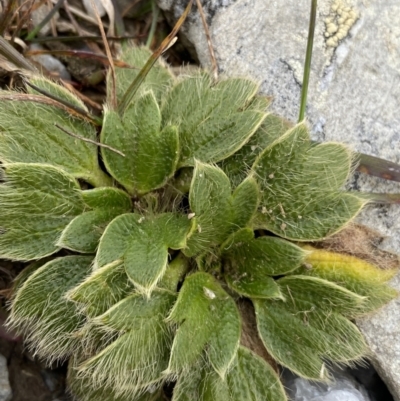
x=203, y=199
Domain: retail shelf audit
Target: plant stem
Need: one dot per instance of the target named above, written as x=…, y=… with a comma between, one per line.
x=307, y=63
x=166, y=43
x=99, y=178
x=175, y=272
x=153, y=23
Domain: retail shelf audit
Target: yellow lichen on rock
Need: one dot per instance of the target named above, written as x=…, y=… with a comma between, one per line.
x=339, y=22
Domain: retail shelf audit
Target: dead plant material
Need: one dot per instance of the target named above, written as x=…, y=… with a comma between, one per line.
x=249, y=337
x=362, y=242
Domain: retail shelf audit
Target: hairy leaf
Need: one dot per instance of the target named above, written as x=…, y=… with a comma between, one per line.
x=306, y=292
x=37, y=202
x=301, y=338
x=151, y=154
x=107, y=198
x=209, y=196
x=252, y=379
x=82, y=387
x=217, y=212
x=244, y=203
x=249, y=379
x=58, y=91
x=135, y=361
x=142, y=243
x=208, y=319
x=28, y=134
x=249, y=263
x=83, y=233
x=237, y=166
x=202, y=384
x=25, y=274
x=211, y=120
x=354, y=274
x=102, y=289
x=302, y=181
x=309, y=326
x=41, y=312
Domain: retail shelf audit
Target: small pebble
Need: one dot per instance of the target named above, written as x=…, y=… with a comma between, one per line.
x=5, y=387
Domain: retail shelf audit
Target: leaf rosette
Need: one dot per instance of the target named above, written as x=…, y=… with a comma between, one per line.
x=203, y=199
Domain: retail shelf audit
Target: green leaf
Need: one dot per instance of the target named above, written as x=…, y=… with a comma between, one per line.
x=83, y=388
x=211, y=120
x=302, y=181
x=244, y=203
x=308, y=327
x=28, y=134
x=236, y=167
x=216, y=211
x=135, y=361
x=83, y=233
x=107, y=198
x=252, y=379
x=248, y=263
x=58, y=91
x=354, y=274
x=209, y=197
x=201, y=384
x=42, y=313
x=306, y=292
x=142, y=243
x=151, y=154
x=208, y=319
x=102, y=289
x=260, y=103
x=301, y=338
x=36, y=203
x=158, y=80
x=25, y=274
x=249, y=379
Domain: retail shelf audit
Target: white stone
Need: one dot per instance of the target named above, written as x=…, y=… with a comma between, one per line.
x=5, y=388
x=39, y=14
x=50, y=63
x=354, y=97
x=342, y=388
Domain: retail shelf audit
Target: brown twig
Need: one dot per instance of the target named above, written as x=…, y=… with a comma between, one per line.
x=92, y=45
x=214, y=65
x=70, y=106
x=102, y=145
x=165, y=45
x=22, y=20
x=8, y=15
x=113, y=97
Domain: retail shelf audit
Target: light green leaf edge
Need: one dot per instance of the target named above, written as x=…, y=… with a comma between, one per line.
x=280, y=217
x=40, y=311
x=199, y=313
x=151, y=153
x=28, y=134
x=37, y=202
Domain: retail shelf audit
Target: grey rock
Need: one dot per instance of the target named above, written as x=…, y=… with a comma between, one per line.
x=343, y=387
x=50, y=63
x=38, y=16
x=382, y=332
x=5, y=388
x=354, y=97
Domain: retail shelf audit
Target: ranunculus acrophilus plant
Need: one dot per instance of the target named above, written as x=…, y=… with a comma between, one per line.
x=197, y=202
